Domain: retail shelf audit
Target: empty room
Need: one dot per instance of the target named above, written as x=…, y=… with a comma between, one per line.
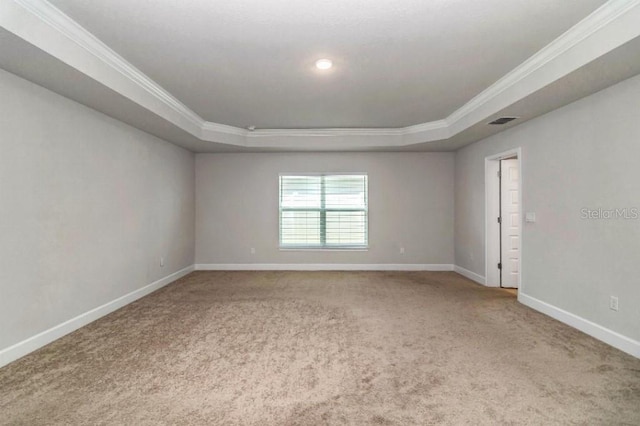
x=360, y=212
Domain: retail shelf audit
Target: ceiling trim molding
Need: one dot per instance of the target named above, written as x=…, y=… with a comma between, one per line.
x=260, y=133
x=608, y=27
x=598, y=19
x=223, y=128
x=430, y=126
x=59, y=21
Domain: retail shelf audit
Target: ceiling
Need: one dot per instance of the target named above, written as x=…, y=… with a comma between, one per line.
x=408, y=74
x=397, y=62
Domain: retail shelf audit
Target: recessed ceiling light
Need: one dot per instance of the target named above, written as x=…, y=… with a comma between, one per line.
x=324, y=64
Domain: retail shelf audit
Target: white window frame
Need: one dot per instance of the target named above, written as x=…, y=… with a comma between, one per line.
x=323, y=247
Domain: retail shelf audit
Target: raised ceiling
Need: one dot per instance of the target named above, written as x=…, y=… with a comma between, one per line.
x=397, y=62
x=409, y=74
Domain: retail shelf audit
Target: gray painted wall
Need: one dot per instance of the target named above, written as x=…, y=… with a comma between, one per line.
x=585, y=155
x=410, y=205
x=87, y=207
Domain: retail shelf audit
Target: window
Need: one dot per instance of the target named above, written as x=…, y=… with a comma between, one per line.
x=323, y=211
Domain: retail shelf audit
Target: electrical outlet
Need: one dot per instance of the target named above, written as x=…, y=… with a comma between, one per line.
x=613, y=303
x=401, y=250
x=162, y=262
x=253, y=250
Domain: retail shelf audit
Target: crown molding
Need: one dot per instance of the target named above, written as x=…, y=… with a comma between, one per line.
x=261, y=133
x=41, y=24
x=598, y=19
x=430, y=126
x=60, y=22
x=210, y=126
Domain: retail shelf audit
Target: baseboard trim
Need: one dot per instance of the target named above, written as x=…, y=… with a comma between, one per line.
x=29, y=345
x=322, y=267
x=471, y=275
x=617, y=340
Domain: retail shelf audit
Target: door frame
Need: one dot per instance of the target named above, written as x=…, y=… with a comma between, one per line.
x=490, y=264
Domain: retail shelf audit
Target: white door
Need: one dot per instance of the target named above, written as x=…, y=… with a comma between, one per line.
x=510, y=214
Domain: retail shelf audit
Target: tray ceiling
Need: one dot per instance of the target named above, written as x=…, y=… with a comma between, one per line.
x=407, y=73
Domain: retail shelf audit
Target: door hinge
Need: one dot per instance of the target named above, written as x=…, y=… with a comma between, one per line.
x=499, y=265
x=499, y=220
x=499, y=174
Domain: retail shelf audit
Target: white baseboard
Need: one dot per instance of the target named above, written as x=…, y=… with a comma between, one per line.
x=617, y=340
x=471, y=275
x=322, y=267
x=29, y=345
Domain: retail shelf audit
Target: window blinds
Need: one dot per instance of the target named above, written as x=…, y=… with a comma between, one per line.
x=323, y=211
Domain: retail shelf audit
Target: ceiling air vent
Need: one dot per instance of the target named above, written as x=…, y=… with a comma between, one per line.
x=502, y=120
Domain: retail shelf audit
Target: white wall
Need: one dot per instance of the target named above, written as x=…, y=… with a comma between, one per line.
x=585, y=155
x=87, y=207
x=410, y=206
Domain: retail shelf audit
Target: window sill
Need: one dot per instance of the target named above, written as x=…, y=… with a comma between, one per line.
x=323, y=249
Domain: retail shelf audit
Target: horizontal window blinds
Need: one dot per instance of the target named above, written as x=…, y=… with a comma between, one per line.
x=323, y=211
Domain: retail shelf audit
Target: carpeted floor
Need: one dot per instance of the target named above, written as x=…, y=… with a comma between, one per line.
x=312, y=348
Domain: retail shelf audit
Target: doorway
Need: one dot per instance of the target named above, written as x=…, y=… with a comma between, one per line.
x=503, y=183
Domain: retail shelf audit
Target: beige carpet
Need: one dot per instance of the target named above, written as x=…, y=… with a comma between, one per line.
x=312, y=348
